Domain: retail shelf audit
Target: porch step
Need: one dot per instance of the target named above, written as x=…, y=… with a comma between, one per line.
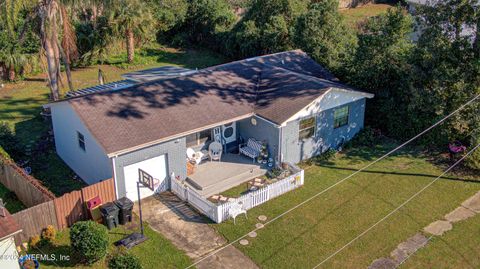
x=193, y=184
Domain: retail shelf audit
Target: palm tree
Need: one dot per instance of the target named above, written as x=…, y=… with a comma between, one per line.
x=52, y=15
x=130, y=18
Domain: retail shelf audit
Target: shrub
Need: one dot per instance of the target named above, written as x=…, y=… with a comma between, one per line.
x=366, y=137
x=34, y=241
x=9, y=142
x=473, y=161
x=124, y=260
x=90, y=240
x=49, y=234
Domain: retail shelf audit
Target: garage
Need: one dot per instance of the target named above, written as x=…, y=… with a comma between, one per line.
x=156, y=167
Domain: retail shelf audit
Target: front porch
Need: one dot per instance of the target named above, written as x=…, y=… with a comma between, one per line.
x=213, y=177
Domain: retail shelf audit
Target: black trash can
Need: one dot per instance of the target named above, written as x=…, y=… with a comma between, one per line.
x=109, y=215
x=126, y=207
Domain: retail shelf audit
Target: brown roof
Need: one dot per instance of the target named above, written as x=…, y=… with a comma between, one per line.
x=8, y=226
x=274, y=87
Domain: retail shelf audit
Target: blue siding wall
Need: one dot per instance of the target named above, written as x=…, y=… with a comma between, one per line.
x=263, y=131
x=174, y=150
x=325, y=137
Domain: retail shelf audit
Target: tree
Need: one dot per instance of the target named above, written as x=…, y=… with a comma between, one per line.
x=130, y=18
x=322, y=33
x=447, y=66
x=266, y=28
x=55, y=30
x=381, y=66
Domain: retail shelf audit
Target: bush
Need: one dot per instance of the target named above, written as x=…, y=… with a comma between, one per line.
x=124, y=260
x=473, y=161
x=366, y=137
x=9, y=142
x=34, y=241
x=49, y=234
x=90, y=240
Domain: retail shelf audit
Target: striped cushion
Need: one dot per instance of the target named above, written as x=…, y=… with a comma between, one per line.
x=254, y=144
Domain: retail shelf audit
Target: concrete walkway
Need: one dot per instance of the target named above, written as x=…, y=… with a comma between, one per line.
x=404, y=250
x=189, y=231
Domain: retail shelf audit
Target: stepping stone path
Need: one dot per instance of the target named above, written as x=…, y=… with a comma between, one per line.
x=468, y=209
x=459, y=214
x=383, y=263
x=244, y=242
x=259, y=225
x=252, y=234
x=438, y=227
x=262, y=218
x=473, y=203
x=408, y=247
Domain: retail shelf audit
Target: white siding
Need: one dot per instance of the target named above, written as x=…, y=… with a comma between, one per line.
x=9, y=254
x=92, y=165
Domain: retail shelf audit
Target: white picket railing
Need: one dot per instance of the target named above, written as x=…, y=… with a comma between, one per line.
x=219, y=213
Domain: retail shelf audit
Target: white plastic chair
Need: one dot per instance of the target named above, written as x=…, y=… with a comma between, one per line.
x=215, y=151
x=194, y=156
x=235, y=210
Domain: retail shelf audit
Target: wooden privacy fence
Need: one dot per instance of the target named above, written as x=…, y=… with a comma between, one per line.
x=220, y=213
x=63, y=211
x=28, y=189
x=70, y=208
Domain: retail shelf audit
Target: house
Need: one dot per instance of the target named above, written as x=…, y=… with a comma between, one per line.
x=8, y=229
x=286, y=100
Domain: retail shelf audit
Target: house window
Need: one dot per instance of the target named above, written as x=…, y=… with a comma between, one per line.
x=307, y=128
x=340, y=117
x=198, y=138
x=81, y=140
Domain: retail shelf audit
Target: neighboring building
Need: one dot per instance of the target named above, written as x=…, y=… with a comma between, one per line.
x=8, y=251
x=286, y=100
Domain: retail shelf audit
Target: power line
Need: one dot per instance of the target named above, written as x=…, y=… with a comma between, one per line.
x=398, y=208
x=341, y=181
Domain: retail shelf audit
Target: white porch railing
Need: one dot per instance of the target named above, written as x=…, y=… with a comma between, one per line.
x=219, y=213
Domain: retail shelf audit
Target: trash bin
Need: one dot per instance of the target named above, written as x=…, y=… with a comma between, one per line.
x=109, y=215
x=126, y=206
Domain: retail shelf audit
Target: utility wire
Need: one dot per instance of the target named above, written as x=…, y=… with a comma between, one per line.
x=398, y=208
x=341, y=181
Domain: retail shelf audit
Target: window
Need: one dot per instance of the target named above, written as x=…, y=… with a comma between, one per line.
x=307, y=128
x=198, y=138
x=81, y=140
x=340, y=117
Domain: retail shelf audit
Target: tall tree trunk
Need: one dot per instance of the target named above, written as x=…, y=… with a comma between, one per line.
x=130, y=45
x=52, y=68
x=11, y=73
x=67, y=66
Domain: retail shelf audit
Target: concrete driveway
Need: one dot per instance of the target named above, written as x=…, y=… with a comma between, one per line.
x=189, y=231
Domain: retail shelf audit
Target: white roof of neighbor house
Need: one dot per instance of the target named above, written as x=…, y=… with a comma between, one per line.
x=116, y=85
x=162, y=72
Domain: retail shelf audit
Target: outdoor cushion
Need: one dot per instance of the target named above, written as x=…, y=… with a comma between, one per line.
x=252, y=149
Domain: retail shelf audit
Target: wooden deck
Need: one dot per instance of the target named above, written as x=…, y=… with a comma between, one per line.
x=212, y=177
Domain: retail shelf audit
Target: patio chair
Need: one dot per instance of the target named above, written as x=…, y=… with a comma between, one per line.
x=235, y=210
x=215, y=151
x=193, y=156
x=251, y=149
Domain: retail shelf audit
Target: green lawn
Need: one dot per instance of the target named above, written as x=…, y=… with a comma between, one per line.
x=11, y=201
x=312, y=232
x=156, y=252
x=20, y=104
x=354, y=16
x=458, y=248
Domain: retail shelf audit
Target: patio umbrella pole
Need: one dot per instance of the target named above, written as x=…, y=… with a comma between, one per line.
x=140, y=207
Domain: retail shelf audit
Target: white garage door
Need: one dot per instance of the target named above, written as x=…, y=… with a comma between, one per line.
x=156, y=167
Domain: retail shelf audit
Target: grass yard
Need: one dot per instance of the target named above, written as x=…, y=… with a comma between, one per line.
x=20, y=105
x=458, y=248
x=10, y=200
x=156, y=252
x=354, y=16
x=312, y=232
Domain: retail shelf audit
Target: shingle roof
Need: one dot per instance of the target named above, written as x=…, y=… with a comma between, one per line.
x=274, y=87
x=8, y=226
